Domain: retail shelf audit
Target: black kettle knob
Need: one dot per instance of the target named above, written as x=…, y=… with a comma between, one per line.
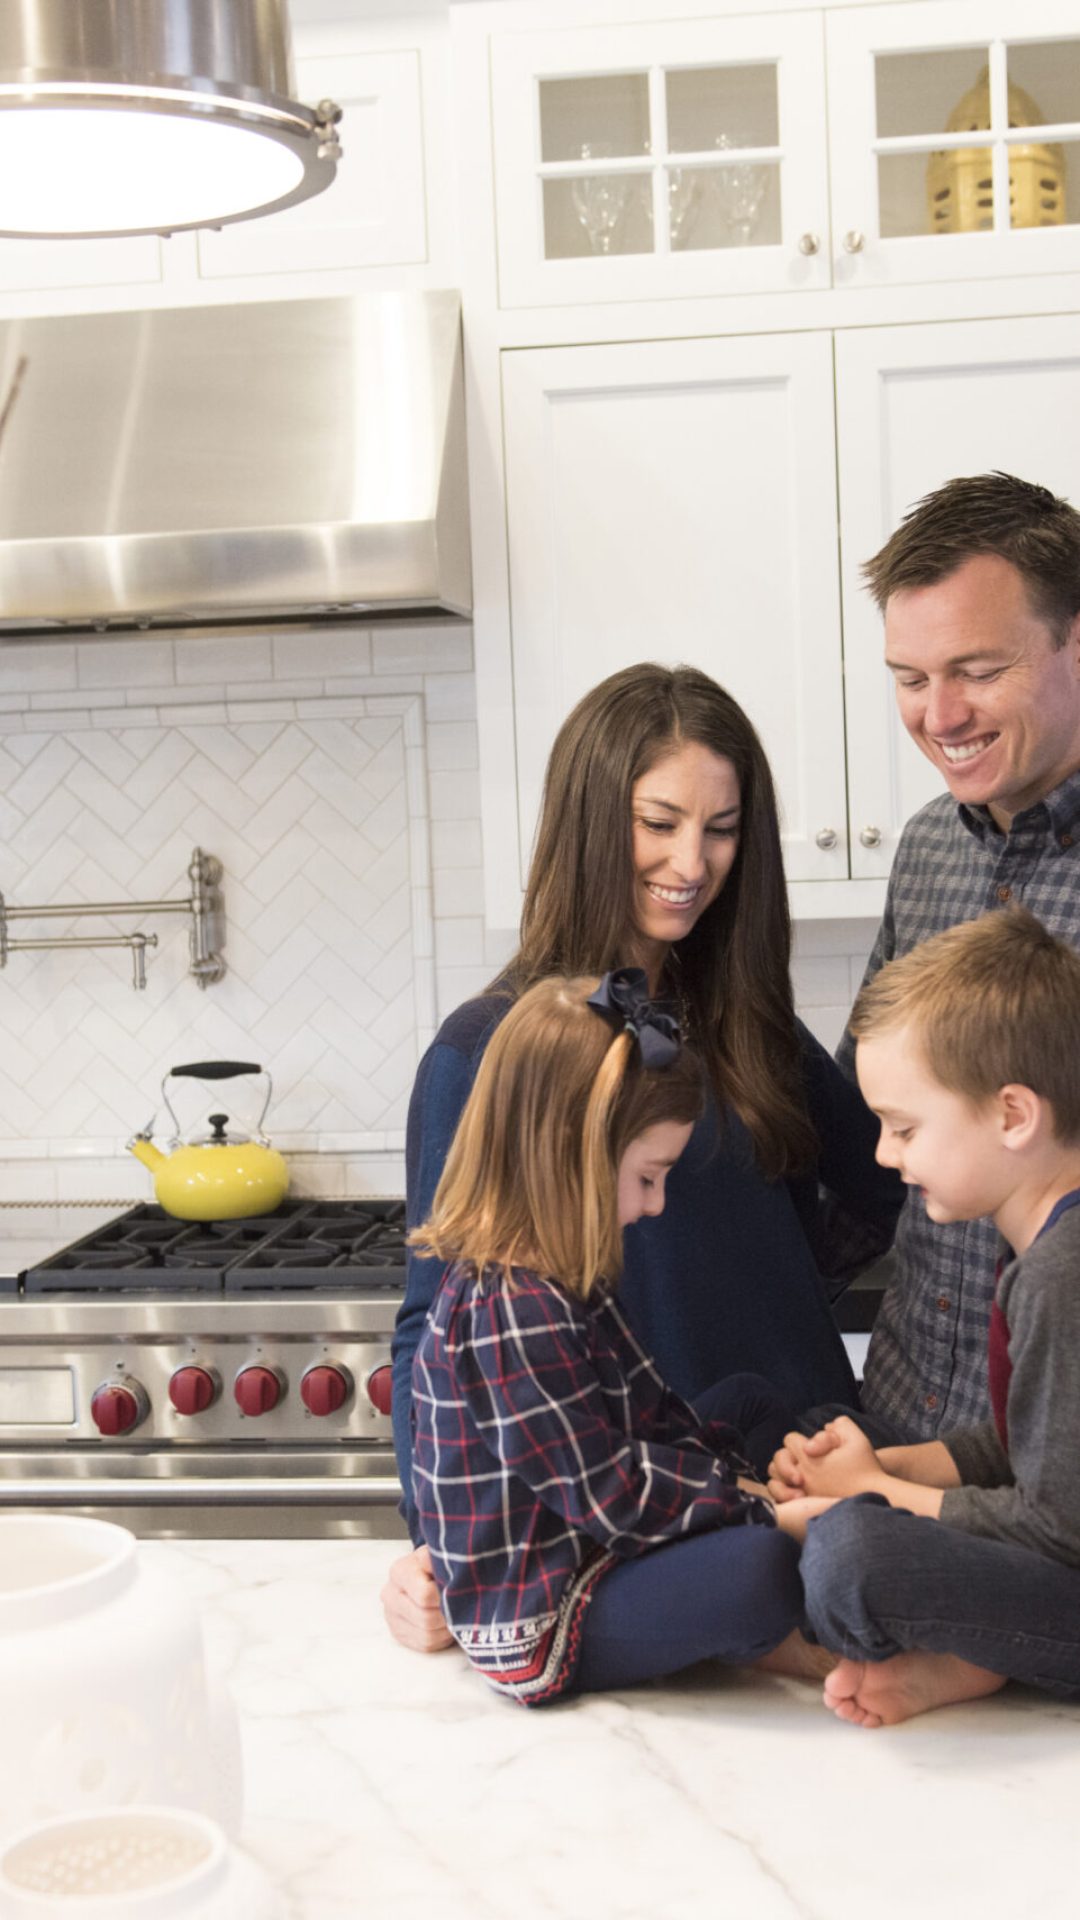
x=219, y=1122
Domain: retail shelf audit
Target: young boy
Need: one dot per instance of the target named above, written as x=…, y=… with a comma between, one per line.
x=964, y=1571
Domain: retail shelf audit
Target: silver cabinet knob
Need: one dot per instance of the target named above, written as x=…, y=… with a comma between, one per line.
x=809, y=243
x=826, y=839
x=853, y=242
x=870, y=837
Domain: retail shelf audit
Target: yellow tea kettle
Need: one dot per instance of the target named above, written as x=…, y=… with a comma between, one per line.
x=222, y=1175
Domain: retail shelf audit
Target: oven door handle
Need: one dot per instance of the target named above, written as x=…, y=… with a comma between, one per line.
x=259, y=1490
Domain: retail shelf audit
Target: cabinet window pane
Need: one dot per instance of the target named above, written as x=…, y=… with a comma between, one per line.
x=708, y=106
x=921, y=193
x=736, y=206
x=921, y=92
x=1044, y=184
x=598, y=213
x=606, y=112
x=1048, y=73
x=953, y=192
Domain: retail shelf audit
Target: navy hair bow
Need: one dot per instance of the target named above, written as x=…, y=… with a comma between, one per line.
x=623, y=999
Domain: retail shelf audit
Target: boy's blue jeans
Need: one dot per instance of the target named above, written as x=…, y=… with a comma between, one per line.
x=879, y=1581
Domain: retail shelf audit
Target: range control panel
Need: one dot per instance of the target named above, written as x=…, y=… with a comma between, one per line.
x=278, y=1389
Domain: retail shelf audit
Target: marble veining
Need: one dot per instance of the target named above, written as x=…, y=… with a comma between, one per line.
x=377, y=1780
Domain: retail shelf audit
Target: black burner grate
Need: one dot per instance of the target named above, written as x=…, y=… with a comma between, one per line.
x=305, y=1244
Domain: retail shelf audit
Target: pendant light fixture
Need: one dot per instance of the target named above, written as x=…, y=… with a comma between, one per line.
x=152, y=116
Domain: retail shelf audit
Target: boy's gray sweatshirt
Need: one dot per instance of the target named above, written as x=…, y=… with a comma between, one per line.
x=1030, y=1495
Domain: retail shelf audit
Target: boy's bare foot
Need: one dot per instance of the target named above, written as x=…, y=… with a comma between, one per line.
x=883, y=1693
x=799, y=1658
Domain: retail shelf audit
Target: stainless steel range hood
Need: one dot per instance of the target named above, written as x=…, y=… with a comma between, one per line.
x=233, y=464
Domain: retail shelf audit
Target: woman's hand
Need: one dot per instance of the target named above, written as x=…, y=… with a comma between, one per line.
x=411, y=1605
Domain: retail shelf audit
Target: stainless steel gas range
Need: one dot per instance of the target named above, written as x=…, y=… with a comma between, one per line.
x=219, y=1380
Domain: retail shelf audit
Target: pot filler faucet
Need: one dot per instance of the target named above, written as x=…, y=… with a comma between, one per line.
x=204, y=904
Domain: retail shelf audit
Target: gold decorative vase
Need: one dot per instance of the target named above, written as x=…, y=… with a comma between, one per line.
x=959, y=182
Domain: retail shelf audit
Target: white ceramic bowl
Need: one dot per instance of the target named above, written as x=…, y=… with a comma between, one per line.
x=131, y=1863
x=103, y=1681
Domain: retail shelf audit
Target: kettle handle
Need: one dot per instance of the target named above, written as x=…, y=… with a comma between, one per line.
x=217, y=1070
x=213, y=1070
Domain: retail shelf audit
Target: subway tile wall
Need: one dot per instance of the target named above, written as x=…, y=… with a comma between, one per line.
x=335, y=774
x=830, y=958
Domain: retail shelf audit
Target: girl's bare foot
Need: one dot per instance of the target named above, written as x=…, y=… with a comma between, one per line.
x=883, y=1693
x=799, y=1658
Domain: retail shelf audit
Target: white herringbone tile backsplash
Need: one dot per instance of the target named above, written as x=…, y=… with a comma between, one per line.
x=311, y=787
x=310, y=821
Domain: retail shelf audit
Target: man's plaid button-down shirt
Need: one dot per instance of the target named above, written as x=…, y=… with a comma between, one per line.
x=926, y=1369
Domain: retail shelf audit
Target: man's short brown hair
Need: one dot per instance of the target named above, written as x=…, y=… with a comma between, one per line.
x=988, y=513
x=994, y=1002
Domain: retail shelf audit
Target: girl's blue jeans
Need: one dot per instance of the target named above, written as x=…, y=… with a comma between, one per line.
x=731, y=1594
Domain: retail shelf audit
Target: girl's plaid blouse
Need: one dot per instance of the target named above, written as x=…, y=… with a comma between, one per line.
x=546, y=1448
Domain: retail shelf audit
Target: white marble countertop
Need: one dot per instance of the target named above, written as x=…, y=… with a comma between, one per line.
x=383, y=1782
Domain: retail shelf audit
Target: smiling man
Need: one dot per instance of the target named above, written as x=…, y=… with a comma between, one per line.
x=980, y=591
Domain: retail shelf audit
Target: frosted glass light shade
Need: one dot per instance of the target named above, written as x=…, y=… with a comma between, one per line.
x=150, y=116
x=72, y=170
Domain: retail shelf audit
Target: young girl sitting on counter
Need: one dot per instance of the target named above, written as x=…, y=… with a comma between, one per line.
x=587, y=1527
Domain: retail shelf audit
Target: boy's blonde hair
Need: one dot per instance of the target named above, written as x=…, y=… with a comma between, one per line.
x=994, y=1002
x=531, y=1177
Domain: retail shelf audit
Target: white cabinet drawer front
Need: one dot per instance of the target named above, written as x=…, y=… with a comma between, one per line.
x=29, y=265
x=677, y=502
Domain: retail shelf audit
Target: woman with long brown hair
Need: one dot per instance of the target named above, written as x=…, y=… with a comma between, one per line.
x=659, y=847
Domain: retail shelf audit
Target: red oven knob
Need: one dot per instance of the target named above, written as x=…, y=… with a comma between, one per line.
x=325, y=1389
x=379, y=1385
x=192, y=1389
x=116, y=1409
x=257, y=1390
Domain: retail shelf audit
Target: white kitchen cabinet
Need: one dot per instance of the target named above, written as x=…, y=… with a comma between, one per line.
x=606, y=139
x=653, y=160
x=916, y=201
x=54, y=266
x=374, y=213
x=676, y=501
x=612, y=354
x=917, y=406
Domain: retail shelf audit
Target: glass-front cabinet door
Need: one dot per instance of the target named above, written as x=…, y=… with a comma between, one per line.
x=955, y=140
x=659, y=160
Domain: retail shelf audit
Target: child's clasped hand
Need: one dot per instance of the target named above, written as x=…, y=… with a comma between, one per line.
x=833, y=1463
